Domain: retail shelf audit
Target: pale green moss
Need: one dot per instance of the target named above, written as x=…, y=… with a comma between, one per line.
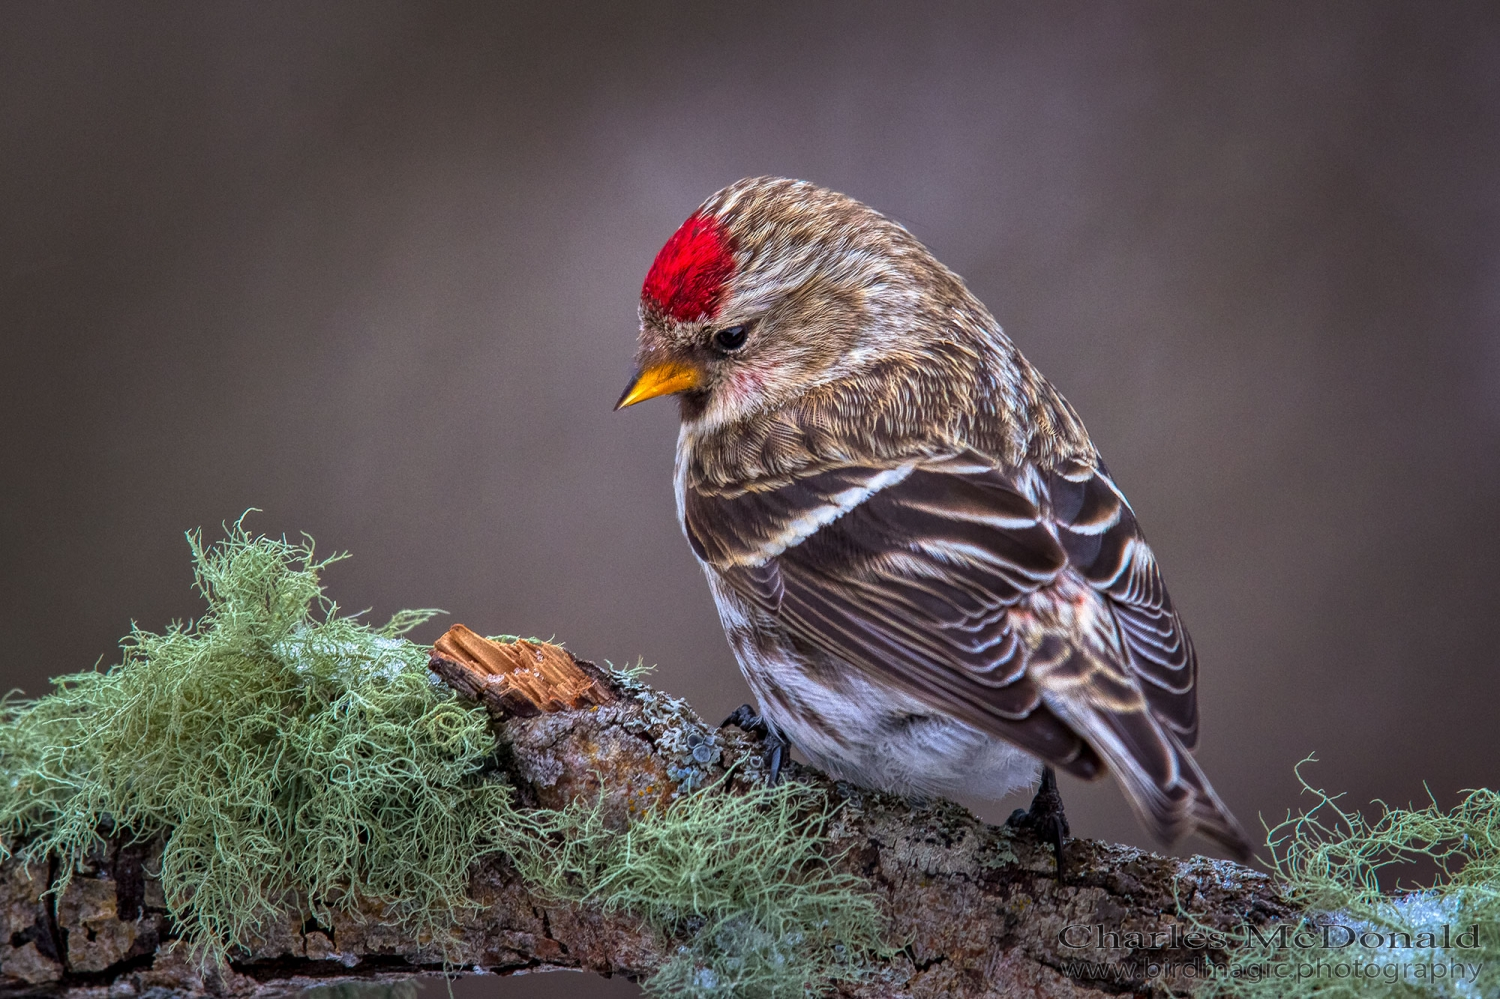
x=290, y=755
x=1330, y=860
x=743, y=875
x=293, y=757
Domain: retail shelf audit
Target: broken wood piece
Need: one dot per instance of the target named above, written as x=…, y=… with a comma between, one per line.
x=516, y=678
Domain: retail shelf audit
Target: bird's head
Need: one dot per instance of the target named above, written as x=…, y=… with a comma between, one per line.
x=773, y=287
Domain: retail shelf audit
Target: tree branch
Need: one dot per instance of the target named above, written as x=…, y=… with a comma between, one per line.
x=977, y=909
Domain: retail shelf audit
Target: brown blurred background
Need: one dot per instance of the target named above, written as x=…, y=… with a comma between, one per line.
x=373, y=268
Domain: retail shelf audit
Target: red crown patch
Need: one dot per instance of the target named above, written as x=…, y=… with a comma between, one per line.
x=688, y=278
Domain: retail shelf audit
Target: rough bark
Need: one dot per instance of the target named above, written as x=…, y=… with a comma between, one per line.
x=979, y=907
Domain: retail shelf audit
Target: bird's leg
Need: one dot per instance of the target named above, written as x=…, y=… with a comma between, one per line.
x=745, y=717
x=1046, y=817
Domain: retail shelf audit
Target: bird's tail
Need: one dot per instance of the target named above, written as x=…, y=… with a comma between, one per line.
x=1162, y=781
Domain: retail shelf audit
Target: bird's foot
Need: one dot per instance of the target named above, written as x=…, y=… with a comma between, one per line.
x=746, y=718
x=1045, y=817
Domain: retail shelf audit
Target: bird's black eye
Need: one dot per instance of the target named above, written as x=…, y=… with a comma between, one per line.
x=731, y=337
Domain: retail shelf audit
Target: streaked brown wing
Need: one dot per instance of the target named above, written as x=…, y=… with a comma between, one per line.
x=908, y=573
x=920, y=565
x=911, y=573
x=1097, y=528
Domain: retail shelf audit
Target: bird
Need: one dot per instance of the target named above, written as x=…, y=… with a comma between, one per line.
x=930, y=580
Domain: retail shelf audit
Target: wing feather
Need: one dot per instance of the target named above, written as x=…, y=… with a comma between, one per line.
x=1105, y=544
x=915, y=572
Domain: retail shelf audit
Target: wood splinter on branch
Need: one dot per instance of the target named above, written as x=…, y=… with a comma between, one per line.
x=520, y=678
x=972, y=910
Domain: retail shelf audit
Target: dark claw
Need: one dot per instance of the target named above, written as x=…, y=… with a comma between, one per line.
x=1046, y=817
x=746, y=718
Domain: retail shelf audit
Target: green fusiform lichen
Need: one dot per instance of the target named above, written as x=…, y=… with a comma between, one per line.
x=743, y=875
x=293, y=758
x=1330, y=860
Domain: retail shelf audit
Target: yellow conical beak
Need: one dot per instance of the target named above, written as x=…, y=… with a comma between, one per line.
x=663, y=378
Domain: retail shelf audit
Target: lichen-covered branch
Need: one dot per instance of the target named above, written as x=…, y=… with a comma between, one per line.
x=276, y=794
x=969, y=909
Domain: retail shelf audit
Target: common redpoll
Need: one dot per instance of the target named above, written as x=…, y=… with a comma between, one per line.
x=927, y=575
